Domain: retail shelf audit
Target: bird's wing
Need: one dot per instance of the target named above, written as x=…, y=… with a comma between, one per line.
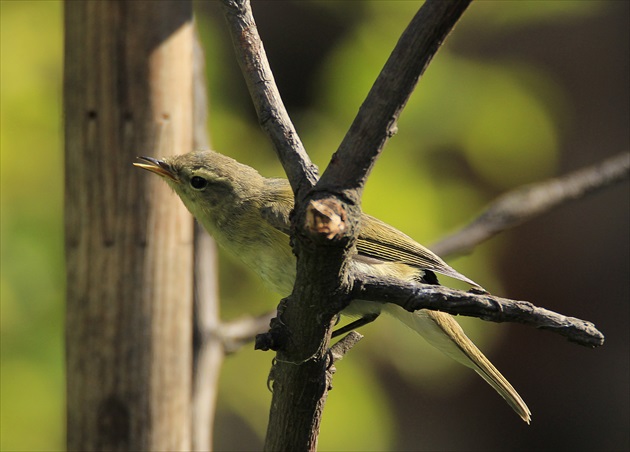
x=378, y=240
x=443, y=332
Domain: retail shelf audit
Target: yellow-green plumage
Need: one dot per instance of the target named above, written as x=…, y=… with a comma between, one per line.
x=248, y=215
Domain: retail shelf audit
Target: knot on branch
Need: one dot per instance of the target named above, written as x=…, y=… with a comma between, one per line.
x=278, y=335
x=326, y=218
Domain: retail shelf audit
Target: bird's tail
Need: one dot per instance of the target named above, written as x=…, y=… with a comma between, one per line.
x=443, y=332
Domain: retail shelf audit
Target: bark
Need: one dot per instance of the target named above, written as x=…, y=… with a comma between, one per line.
x=127, y=90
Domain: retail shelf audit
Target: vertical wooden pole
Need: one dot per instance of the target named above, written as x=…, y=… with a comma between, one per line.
x=127, y=92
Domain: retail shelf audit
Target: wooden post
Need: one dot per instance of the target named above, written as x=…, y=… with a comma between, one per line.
x=127, y=92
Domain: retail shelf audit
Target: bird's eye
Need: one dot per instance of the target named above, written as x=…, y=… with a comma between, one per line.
x=198, y=183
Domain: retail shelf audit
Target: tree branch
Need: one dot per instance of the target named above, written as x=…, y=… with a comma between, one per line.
x=344, y=345
x=338, y=351
x=244, y=330
x=377, y=118
x=525, y=203
x=413, y=297
x=272, y=114
x=208, y=355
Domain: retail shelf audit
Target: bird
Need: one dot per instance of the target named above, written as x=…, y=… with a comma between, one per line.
x=248, y=216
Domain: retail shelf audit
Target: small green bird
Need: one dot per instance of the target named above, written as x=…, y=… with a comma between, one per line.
x=248, y=215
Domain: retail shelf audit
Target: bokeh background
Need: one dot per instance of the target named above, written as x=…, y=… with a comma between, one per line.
x=521, y=91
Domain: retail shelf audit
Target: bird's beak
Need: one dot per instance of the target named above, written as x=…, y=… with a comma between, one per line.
x=158, y=167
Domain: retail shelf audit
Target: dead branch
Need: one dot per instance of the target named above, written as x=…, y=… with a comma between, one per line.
x=272, y=115
x=413, y=297
x=525, y=203
x=377, y=119
x=344, y=345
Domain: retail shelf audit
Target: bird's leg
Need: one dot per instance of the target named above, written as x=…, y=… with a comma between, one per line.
x=368, y=318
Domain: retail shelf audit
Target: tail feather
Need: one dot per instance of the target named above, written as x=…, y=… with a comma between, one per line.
x=443, y=332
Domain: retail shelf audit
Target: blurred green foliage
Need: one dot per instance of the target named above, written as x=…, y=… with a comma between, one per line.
x=32, y=291
x=496, y=119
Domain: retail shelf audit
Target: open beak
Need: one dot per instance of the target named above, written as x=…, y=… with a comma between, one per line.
x=156, y=166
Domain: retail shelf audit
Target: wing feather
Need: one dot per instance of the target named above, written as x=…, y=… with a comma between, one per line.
x=377, y=240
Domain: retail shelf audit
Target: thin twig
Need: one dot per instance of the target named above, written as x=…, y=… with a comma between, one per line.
x=343, y=346
x=207, y=355
x=272, y=114
x=413, y=297
x=237, y=333
x=338, y=351
x=525, y=203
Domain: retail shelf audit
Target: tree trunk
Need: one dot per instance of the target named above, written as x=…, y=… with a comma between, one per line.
x=127, y=91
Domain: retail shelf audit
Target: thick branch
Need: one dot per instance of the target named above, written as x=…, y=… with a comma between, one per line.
x=525, y=203
x=272, y=114
x=413, y=297
x=378, y=116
